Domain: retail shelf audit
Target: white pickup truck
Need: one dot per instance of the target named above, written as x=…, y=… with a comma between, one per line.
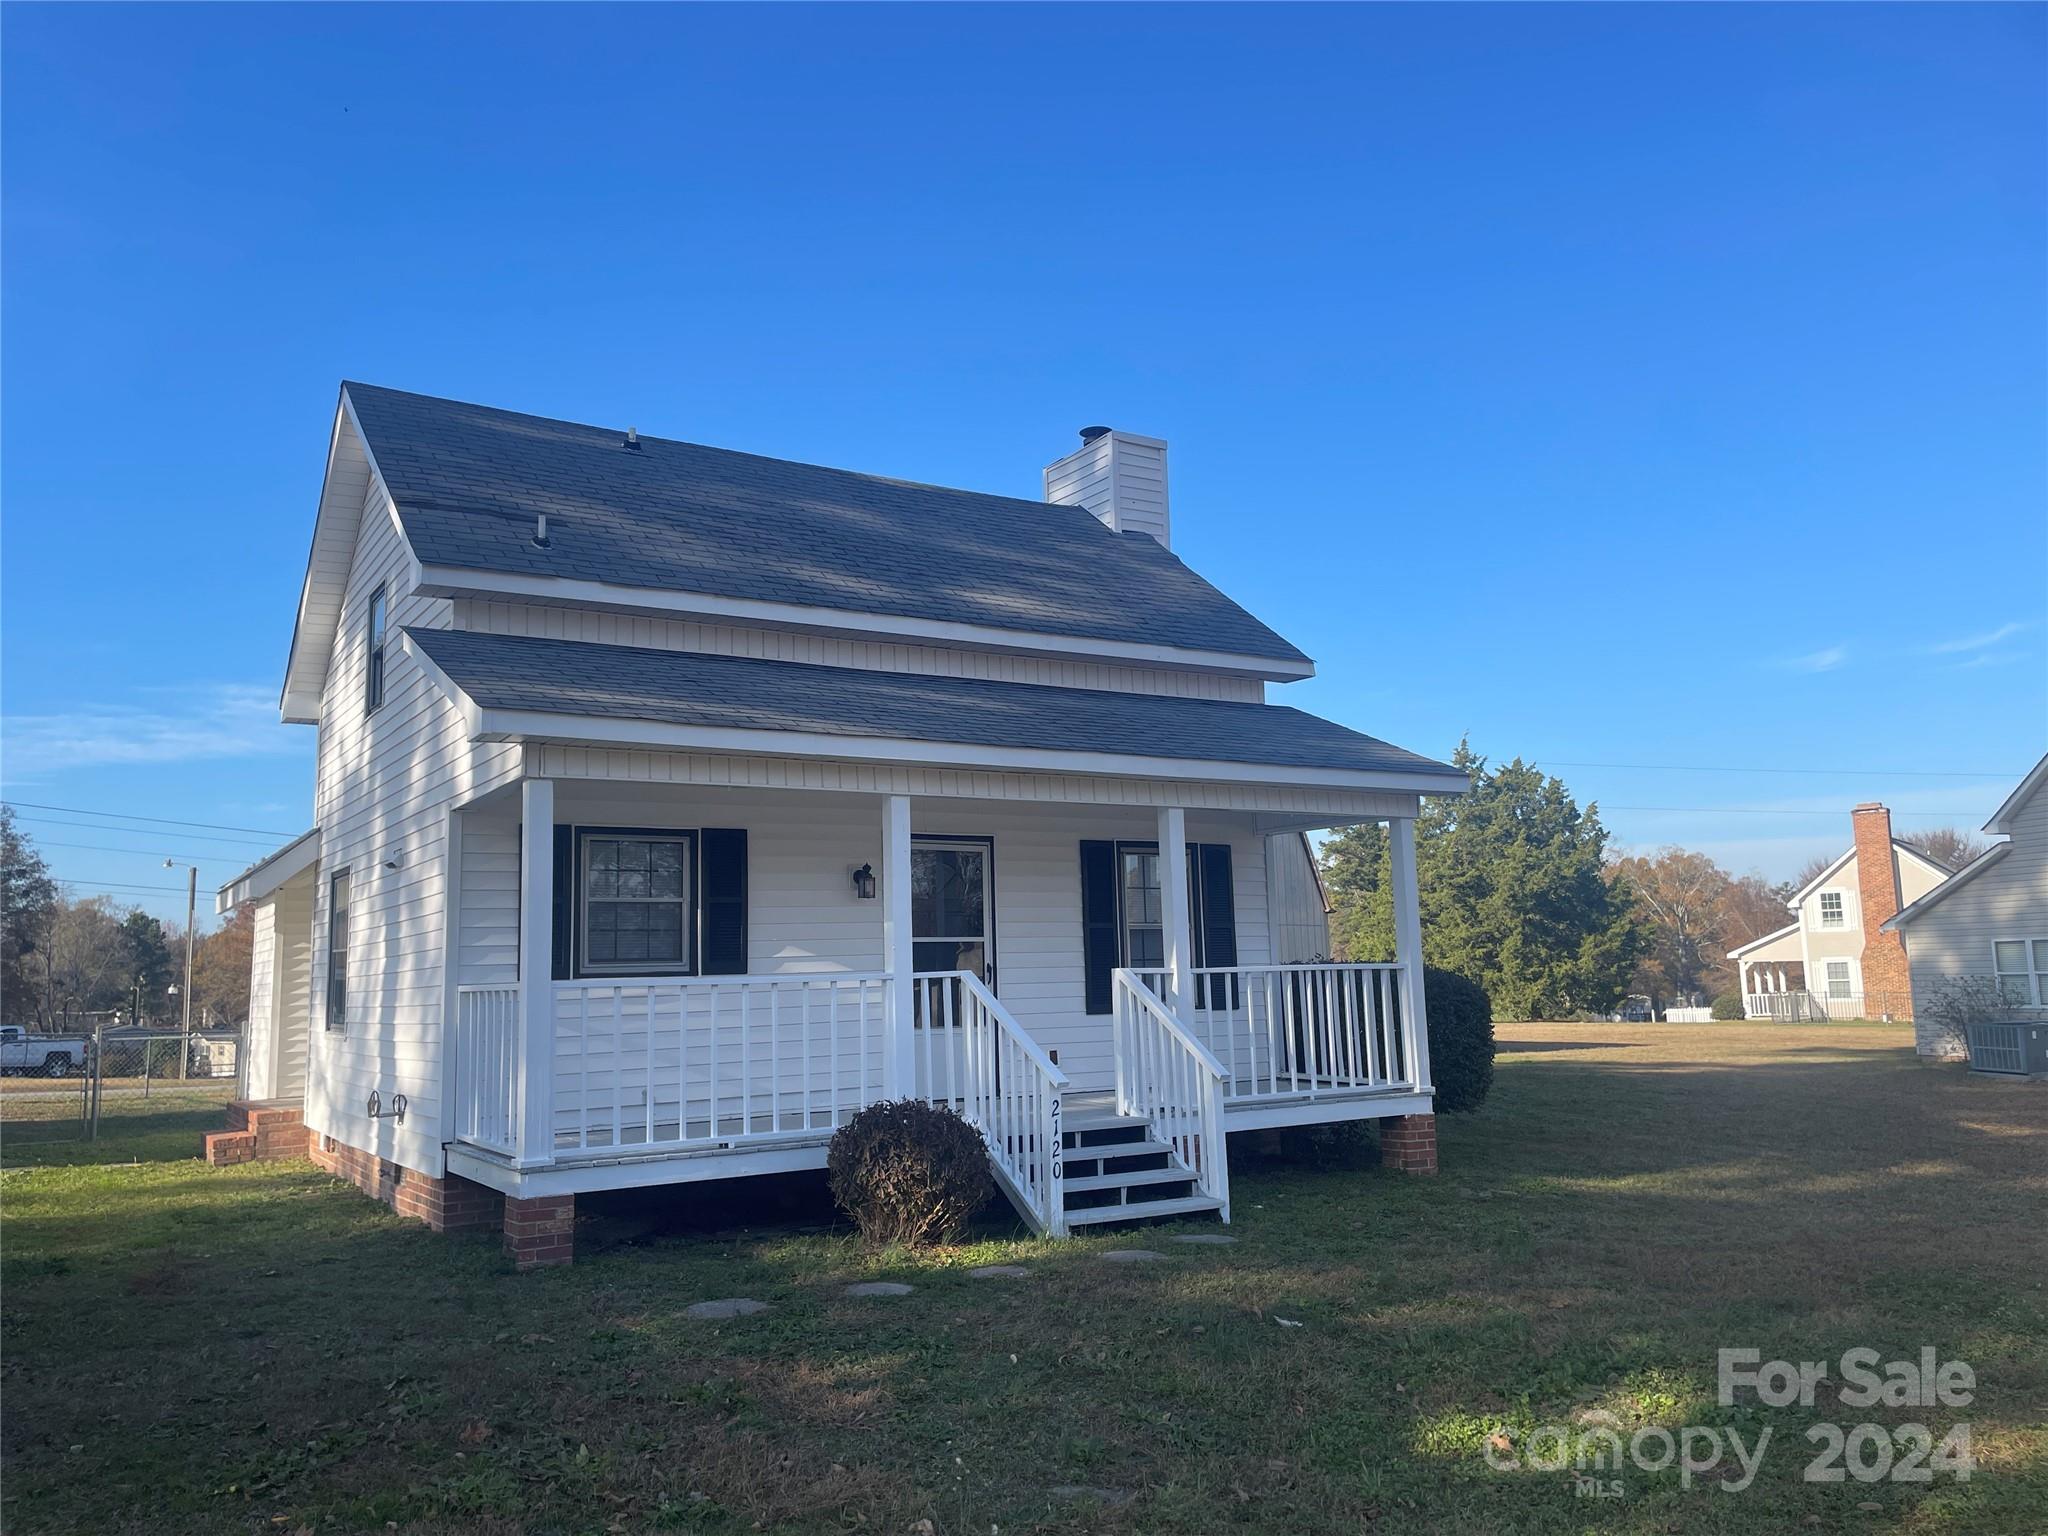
x=25, y=1055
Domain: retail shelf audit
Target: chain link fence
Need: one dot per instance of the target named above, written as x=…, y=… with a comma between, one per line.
x=116, y=1082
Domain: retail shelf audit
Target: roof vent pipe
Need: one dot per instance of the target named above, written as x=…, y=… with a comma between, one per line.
x=540, y=532
x=1089, y=434
x=633, y=438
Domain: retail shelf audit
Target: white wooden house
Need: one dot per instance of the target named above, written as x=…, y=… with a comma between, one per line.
x=673, y=803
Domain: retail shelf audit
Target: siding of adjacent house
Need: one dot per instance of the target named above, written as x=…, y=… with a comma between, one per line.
x=383, y=788
x=1953, y=937
x=558, y=623
x=1301, y=928
x=1821, y=944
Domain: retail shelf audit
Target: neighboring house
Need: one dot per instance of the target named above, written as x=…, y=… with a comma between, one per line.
x=1988, y=920
x=1835, y=960
x=673, y=803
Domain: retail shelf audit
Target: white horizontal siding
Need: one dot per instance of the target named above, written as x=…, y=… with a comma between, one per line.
x=600, y=628
x=293, y=919
x=2007, y=901
x=803, y=918
x=260, y=1034
x=384, y=786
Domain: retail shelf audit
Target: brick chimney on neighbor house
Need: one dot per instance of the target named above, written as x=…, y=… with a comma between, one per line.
x=1887, y=983
x=1120, y=477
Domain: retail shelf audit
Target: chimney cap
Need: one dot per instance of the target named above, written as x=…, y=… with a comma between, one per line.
x=1869, y=805
x=1089, y=434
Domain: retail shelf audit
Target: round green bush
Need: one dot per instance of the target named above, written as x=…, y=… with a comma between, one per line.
x=1729, y=1006
x=908, y=1172
x=1460, y=1039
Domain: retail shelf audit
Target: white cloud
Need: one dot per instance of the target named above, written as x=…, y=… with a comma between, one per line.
x=1985, y=641
x=1817, y=661
x=211, y=721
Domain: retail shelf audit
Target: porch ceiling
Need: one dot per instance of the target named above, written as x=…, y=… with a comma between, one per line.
x=520, y=687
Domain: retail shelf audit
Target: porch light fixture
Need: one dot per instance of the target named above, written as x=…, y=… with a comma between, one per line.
x=864, y=882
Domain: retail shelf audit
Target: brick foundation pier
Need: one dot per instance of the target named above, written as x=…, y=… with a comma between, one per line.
x=257, y=1132
x=1408, y=1143
x=540, y=1232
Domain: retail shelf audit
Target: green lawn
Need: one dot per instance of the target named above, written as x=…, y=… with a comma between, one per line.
x=263, y=1349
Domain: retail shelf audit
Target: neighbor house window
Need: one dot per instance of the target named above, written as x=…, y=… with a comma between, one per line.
x=1832, y=914
x=373, y=662
x=2022, y=966
x=337, y=952
x=1838, y=980
x=638, y=902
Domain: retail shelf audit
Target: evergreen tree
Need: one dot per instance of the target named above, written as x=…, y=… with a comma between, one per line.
x=27, y=897
x=1512, y=889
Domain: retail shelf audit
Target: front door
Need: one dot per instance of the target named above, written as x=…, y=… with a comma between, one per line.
x=952, y=906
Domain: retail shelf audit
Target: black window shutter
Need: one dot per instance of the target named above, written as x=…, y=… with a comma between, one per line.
x=565, y=903
x=1216, y=927
x=724, y=864
x=1098, y=922
x=1219, y=907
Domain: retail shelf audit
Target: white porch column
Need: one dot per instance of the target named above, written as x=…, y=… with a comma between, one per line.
x=534, y=1083
x=1781, y=978
x=1173, y=897
x=1408, y=946
x=899, y=1065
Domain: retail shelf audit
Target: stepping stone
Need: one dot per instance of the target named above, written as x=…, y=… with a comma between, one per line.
x=1130, y=1255
x=1110, y=1496
x=1211, y=1239
x=999, y=1272
x=731, y=1306
x=879, y=1288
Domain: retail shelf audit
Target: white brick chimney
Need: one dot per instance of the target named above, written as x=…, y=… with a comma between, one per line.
x=1118, y=476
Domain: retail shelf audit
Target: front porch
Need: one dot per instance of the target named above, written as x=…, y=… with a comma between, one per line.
x=973, y=976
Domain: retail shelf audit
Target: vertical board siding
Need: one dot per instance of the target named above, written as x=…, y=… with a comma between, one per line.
x=383, y=787
x=260, y=1034
x=598, y=628
x=293, y=919
x=1301, y=928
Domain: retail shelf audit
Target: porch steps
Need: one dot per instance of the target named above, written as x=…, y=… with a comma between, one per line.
x=1114, y=1171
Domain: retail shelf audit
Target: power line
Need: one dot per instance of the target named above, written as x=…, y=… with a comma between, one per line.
x=77, y=810
x=1753, y=810
x=93, y=826
x=115, y=885
x=1874, y=773
x=152, y=853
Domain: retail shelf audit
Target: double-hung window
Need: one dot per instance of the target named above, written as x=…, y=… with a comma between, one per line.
x=1833, y=913
x=337, y=953
x=2022, y=967
x=638, y=905
x=373, y=657
x=1840, y=983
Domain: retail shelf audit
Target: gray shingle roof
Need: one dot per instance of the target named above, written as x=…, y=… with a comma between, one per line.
x=569, y=677
x=469, y=480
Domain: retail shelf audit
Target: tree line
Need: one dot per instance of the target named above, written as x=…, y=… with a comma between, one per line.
x=62, y=959
x=1520, y=890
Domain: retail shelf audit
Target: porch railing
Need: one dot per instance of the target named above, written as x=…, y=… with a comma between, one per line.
x=1797, y=1005
x=1305, y=1031
x=973, y=1056
x=486, y=1066
x=708, y=1062
x=1166, y=1075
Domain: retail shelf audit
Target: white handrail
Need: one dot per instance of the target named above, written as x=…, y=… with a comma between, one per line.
x=1169, y=1077
x=1307, y=1031
x=974, y=1057
x=486, y=1066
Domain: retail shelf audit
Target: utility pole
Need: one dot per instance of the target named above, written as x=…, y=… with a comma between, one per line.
x=185, y=998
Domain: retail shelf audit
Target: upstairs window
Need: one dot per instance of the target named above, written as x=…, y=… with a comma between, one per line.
x=373, y=661
x=1832, y=913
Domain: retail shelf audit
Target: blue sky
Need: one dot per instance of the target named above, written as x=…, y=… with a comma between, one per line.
x=1657, y=386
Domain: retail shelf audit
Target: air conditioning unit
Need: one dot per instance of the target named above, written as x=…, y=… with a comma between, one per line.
x=2010, y=1050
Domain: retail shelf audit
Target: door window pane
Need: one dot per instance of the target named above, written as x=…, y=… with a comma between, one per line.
x=949, y=909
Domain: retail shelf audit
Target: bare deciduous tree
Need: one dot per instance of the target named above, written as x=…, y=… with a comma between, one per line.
x=1950, y=847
